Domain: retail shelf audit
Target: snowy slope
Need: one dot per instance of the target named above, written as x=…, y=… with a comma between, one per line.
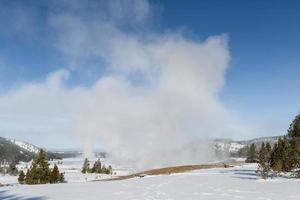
x=210, y=184
x=227, y=146
x=231, y=146
x=235, y=147
x=25, y=146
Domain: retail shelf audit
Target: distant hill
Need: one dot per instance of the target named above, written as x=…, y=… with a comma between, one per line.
x=26, y=146
x=9, y=151
x=258, y=141
x=239, y=148
x=15, y=150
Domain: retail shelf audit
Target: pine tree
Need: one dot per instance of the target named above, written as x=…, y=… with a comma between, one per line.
x=31, y=175
x=21, y=178
x=294, y=139
x=294, y=129
x=294, y=152
x=284, y=154
x=40, y=173
x=28, y=177
x=97, y=167
x=276, y=160
x=110, y=170
x=86, y=166
x=104, y=170
x=268, y=157
x=263, y=160
x=61, y=178
x=54, y=175
x=252, y=154
x=43, y=170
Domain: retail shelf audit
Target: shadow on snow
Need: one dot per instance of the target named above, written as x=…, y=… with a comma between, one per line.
x=246, y=174
x=5, y=196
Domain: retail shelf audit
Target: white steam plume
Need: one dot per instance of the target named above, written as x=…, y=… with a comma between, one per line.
x=150, y=121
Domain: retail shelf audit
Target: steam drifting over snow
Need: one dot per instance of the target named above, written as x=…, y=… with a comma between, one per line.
x=173, y=103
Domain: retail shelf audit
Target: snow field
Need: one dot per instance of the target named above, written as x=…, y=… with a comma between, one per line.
x=209, y=184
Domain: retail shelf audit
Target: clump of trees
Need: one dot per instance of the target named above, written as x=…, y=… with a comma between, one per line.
x=97, y=167
x=284, y=156
x=40, y=172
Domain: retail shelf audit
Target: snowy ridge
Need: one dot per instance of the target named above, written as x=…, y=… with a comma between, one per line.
x=26, y=146
x=235, y=147
x=228, y=146
x=257, y=141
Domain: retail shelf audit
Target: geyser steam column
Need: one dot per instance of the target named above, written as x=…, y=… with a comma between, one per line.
x=176, y=103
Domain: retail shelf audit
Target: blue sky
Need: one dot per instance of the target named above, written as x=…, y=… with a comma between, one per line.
x=261, y=83
x=263, y=78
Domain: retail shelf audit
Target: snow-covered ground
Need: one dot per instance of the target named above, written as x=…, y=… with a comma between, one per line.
x=224, y=184
x=72, y=170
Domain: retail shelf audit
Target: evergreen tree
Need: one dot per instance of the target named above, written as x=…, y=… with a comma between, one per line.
x=276, y=160
x=263, y=161
x=21, y=178
x=294, y=139
x=294, y=153
x=294, y=129
x=97, y=167
x=104, y=169
x=268, y=150
x=284, y=154
x=252, y=154
x=28, y=177
x=110, y=170
x=31, y=177
x=86, y=166
x=268, y=157
x=40, y=173
x=61, y=178
x=54, y=175
x=42, y=170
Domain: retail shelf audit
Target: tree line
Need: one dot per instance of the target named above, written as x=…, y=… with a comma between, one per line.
x=97, y=167
x=40, y=172
x=283, y=157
